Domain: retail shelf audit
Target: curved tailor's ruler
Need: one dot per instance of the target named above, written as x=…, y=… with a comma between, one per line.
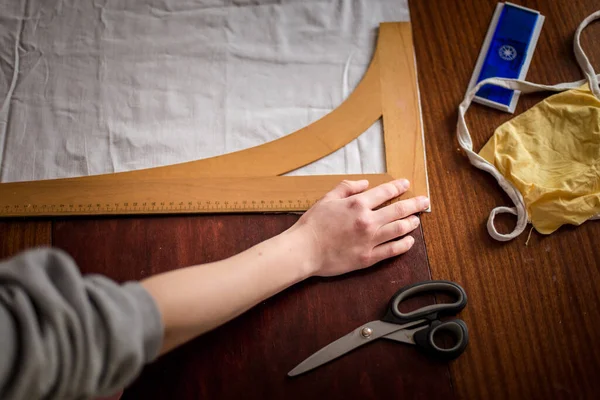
x=247, y=180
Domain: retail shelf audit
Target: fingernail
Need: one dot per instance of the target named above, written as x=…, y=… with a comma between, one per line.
x=405, y=183
x=424, y=202
x=411, y=241
x=414, y=220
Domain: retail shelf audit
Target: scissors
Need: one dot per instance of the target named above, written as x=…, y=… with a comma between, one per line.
x=418, y=327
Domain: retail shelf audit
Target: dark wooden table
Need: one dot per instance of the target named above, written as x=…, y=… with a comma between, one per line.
x=534, y=309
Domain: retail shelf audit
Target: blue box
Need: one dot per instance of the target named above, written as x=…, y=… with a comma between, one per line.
x=506, y=53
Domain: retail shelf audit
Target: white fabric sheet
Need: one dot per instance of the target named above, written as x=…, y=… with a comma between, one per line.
x=90, y=87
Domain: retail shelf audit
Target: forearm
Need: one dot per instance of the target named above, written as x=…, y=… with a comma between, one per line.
x=339, y=234
x=69, y=336
x=197, y=299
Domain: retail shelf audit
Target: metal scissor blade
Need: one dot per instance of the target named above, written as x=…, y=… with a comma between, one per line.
x=351, y=341
x=404, y=335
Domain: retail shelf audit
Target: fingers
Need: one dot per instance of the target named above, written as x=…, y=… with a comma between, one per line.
x=382, y=193
x=402, y=209
x=392, y=249
x=396, y=229
x=347, y=189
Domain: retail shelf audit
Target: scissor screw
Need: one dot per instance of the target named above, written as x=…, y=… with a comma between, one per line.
x=366, y=332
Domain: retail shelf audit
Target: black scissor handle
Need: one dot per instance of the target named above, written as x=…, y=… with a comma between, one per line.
x=425, y=339
x=431, y=312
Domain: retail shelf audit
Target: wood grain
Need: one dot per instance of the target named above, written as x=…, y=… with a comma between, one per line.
x=16, y=236
x=402, y=131
x=168, y=195
x=250, y=356
x=534, y=310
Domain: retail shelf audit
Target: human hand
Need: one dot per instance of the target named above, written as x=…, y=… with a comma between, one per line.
x=347, y=233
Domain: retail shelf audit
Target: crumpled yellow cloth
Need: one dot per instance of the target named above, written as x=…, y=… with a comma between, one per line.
x=551, y=154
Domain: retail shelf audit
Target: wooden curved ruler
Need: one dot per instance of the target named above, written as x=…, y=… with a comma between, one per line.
x=401, y=106
x=246, y=181
x=313, y=142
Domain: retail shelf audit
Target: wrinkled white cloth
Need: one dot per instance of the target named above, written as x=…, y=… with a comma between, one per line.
x=91, y=87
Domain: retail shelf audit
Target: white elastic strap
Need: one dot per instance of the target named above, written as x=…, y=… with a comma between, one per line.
x=584, y=62
x=466, y=143
x=500, y=210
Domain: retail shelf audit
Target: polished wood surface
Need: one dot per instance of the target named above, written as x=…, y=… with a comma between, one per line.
x=534, y=309
x=250, y=356
x=16, y=236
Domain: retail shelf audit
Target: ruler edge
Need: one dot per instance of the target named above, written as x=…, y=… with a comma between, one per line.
x=305, y=189
x=211, y=181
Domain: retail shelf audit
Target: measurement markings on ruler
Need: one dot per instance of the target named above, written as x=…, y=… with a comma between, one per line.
x=155, y=207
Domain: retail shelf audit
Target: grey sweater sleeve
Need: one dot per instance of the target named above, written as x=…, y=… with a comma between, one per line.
x=64, y=336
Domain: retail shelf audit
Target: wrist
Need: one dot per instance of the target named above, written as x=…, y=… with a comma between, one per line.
x=304, y=253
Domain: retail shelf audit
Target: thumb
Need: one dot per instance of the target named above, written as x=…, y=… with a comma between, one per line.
x=346, y=189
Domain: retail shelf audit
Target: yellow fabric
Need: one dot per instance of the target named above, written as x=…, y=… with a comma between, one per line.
x=551, y=153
